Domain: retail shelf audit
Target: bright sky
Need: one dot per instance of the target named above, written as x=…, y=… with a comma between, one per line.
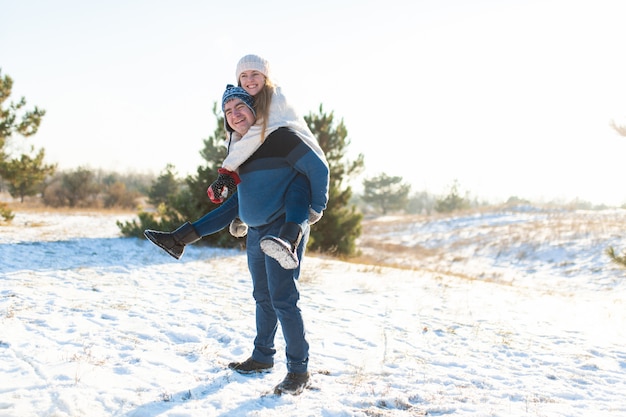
x=510, y=98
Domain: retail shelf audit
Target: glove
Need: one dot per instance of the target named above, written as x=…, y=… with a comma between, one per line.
x=238, y=228
x=224, y=186
x=314, y=216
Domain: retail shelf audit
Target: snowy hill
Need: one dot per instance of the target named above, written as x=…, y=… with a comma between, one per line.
x=503, y=313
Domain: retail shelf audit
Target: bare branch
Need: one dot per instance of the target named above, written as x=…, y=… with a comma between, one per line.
x=619, y=129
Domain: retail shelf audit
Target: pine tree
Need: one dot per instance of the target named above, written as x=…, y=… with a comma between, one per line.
x=615, y=257
x=15, y=120
x=26, y=175
x=386, y=192
x=165, y=187
x=26, y=126
x=340, y=226
x=453, y=201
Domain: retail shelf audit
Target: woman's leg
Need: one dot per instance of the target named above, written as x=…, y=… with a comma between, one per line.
x=174, y=242
x=298, y=201
x=282, y=246
x=216, y=220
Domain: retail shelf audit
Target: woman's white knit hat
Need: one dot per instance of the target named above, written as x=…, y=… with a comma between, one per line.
x=253, y=62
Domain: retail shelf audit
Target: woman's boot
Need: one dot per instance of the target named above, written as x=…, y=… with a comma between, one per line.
x=283, y=248
x=174, y=242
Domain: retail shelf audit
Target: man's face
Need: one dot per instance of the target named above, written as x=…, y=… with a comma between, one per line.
x=238, y=116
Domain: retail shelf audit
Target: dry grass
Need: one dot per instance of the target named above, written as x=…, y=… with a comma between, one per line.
x=34, y=205
x=428, y=243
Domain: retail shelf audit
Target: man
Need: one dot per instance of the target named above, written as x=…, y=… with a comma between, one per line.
x=282, y=160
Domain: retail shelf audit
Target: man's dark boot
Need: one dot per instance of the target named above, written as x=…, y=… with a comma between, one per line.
x=174, y=242
x=283, y=248
x=250, y=366
x=293, y=384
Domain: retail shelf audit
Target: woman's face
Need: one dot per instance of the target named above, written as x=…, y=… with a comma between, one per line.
x=252, y=81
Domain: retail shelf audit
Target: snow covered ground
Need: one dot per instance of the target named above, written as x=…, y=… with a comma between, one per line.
x=502, y=313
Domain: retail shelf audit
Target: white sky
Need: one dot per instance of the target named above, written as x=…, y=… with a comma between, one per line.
x=507, y=97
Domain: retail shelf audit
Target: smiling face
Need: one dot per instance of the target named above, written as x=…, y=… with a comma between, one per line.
x=238, y=116
x=252, y=81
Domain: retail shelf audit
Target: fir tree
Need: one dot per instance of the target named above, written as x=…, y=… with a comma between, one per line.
x=14, y=119
x=26, y=174
x=386, y=192
x=453, y=201
x=340, y=226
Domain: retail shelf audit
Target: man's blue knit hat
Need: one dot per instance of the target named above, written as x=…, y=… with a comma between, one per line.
x=232, y=92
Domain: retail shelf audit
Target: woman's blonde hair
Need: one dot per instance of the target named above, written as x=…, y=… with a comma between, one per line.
x=262, y=103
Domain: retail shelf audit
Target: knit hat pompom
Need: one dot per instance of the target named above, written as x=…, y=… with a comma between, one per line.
x=233, y=92
x=253, y=62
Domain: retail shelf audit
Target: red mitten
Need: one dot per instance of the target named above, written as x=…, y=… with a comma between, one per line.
x=224, y=186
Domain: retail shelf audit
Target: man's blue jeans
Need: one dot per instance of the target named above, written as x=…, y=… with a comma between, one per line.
x=276, y=295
